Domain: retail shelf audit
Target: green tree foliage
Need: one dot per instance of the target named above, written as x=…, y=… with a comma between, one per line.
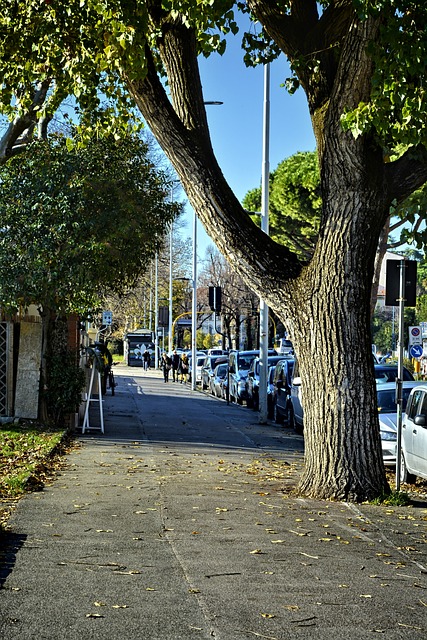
x=78, y=222
x=295, y=203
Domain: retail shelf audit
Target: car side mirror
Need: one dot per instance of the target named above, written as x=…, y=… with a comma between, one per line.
x=296, y=381
x=420, y=420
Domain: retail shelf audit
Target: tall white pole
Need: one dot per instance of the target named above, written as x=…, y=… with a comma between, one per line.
x=156, y=312
x=150, y=313
x=263, y=319
x=194, y=308
x=170, y=346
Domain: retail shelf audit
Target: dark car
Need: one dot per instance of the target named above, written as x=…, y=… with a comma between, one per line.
x=383, y=373
x=270, y=390
x=208, y=368
x=388, y=373
x=239, y=365
x=252, y=381
x=282, y=389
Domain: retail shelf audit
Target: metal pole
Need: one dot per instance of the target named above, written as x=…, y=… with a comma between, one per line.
x=170, y=347
x=400, y=373
x=150, y=320
x=263, y=315
x=156, y=311
x=194, y=308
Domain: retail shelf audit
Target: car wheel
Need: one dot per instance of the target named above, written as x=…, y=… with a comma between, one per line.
x=406, y=476
x=278, y=418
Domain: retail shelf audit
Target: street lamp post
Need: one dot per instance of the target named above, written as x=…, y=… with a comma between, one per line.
x=170, y=345
x=263, y=320
x=156, y=312
x=194, y=307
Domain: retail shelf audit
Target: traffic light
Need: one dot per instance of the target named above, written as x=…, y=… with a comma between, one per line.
x=215, y=299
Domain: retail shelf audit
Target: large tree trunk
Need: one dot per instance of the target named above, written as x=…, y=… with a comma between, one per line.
x=330, y=329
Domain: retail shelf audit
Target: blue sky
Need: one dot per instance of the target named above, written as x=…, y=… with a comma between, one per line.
x=237, y=125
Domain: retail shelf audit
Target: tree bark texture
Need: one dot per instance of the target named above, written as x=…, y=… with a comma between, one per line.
x=325, y=304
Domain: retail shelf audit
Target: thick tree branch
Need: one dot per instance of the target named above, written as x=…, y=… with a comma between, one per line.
x=407, y=174
x=188, y=147
x=305, y=36
x=24, y=124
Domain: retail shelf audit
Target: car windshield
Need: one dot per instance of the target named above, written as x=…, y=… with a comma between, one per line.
x=386, y=400
x=245, y=362
x=389, y=374
x=271, y=360
x=221, y=370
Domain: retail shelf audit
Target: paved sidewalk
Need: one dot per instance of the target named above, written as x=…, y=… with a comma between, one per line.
x=180, y=523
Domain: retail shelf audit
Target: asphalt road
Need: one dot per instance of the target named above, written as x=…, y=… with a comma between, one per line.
x=180, y=522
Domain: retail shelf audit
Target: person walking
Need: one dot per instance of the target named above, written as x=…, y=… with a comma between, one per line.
x=184, y=368
x=166, y=366
x=175, y=366
x=146, y=358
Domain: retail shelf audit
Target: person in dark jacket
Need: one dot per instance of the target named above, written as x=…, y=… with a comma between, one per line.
x=146, y=356
x=166, y=366
x=175, y=366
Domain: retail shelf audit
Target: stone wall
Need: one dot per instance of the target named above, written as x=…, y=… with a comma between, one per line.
x=28, y=374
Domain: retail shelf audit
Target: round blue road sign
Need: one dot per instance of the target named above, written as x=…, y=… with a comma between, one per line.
x=416, y=351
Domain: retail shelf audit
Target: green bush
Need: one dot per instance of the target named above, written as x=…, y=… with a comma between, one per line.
x=65, y=383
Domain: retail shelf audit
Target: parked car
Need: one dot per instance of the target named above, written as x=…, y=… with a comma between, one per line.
x=384, y=373
x=270, y=389
x=220, y=372
x=216, y=352
x=282, y=381
x=199, y=363
x=388, y=373
x=224, y=388
x=285, y=347
x=208, y=367
x=252, y=381
x=239, y=365
x=414, y=436
x=387, y=412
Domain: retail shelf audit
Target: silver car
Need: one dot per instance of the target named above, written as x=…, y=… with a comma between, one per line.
x=220, y=372
x=387, y=413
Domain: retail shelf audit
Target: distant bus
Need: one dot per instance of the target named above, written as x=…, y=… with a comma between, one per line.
x=135, y=343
